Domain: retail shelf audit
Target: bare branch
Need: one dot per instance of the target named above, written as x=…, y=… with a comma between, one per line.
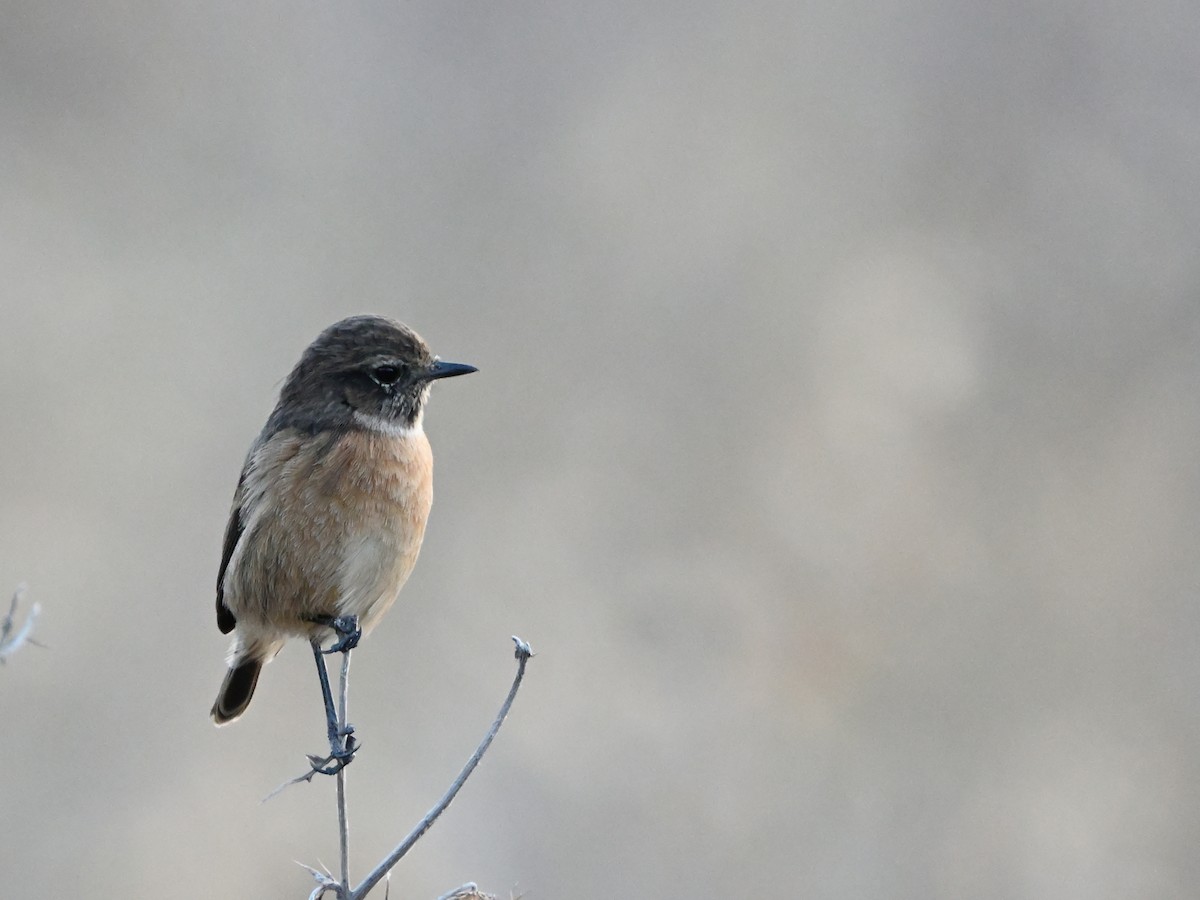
x=523, y=653
x=343, y=823
x=326, y=883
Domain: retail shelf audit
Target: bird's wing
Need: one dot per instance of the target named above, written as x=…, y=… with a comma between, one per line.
x=233, y=532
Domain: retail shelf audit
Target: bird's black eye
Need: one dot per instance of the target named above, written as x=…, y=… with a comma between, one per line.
x=387, y=374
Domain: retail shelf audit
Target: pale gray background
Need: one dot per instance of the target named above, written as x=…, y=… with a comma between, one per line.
x=835, y=440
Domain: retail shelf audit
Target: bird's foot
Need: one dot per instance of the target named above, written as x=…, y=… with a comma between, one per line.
x=340, y=754
x=349, y=633
x=345, y=627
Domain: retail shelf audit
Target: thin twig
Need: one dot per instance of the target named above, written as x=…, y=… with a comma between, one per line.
x=325, y=883
x=343, y=823
x=12, y=636
x=523, y=653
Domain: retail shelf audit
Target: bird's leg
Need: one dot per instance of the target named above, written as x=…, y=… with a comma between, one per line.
x=342, y=745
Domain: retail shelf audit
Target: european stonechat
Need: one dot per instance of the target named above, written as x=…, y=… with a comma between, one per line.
x=330, y=509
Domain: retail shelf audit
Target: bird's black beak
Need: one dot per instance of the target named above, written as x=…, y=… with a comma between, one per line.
x=442, y=369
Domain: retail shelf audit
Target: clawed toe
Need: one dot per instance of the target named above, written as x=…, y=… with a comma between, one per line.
x=350, y=633
x=338, y=758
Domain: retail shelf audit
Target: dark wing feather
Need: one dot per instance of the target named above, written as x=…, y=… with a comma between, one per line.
x=233, y=531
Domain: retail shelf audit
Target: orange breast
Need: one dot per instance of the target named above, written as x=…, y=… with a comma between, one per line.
x=335, y=527
x=382, y=488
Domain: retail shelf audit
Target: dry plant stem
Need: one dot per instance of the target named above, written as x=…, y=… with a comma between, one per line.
x=325, y=882
x=343, y=823
x=523, y=652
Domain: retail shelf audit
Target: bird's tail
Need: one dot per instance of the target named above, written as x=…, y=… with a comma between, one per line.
x=237, y=689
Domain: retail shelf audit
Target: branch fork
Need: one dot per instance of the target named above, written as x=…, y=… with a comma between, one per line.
x=340, y=887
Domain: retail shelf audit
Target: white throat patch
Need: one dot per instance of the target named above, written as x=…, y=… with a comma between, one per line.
x=389, y=427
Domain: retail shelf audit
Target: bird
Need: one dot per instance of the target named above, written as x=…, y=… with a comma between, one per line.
x=330, y=510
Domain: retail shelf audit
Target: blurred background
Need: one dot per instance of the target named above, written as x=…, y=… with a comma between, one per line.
x=834, y=441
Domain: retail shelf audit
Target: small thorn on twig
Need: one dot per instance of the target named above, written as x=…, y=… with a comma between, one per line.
x=318, y=765
x=307, y=776
x=325, y=882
